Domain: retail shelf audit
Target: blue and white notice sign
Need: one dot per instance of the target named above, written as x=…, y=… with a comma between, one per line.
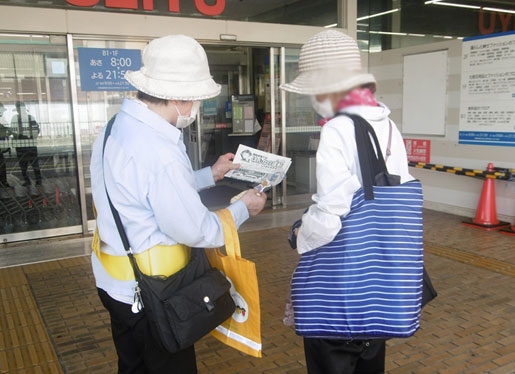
x=103, y=69
x=487, y=110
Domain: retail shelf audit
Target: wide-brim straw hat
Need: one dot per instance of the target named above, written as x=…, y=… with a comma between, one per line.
x=175, y=67
x=329, y=62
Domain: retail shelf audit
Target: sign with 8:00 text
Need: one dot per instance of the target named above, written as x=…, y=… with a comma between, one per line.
x=103, y=69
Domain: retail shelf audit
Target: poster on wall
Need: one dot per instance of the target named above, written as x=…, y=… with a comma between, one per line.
x=418, y=150
x=103, y=69
x=487, y=108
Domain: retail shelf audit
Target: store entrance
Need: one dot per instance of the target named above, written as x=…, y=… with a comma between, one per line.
x=220, y=127
x=248, y=111
x=234, y=117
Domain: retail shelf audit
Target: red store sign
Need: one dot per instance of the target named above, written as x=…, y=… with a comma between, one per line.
x=173, y=5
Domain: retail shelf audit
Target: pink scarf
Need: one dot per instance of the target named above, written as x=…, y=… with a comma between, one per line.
x=358, y=96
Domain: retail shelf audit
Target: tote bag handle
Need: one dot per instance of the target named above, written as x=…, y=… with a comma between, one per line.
x=232, y=241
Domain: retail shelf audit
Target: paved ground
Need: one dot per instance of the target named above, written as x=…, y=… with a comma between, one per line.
x=51, y=320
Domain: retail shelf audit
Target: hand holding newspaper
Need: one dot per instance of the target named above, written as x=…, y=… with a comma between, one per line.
x=263, y=168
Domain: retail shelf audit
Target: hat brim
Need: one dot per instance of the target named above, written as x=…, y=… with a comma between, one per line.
x=327, y=81
x=185, y=91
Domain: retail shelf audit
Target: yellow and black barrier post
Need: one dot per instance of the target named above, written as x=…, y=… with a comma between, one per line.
x=486, y=213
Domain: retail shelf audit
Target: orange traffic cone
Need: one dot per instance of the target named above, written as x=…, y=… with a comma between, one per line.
x=509, y=230
x=486, y=213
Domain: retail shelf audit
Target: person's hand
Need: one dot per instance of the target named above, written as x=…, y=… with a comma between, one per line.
x=223, y=165
x=254, y=201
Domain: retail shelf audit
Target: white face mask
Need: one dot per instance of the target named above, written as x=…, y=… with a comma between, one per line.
x=324, y=108
x=185, y=121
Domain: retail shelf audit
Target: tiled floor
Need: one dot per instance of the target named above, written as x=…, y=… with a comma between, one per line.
x=51, y=320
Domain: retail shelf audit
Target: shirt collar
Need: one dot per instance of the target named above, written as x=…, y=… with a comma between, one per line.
x=141, y=113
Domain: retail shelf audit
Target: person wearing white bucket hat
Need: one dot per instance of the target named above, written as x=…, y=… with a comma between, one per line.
x=152, y=184
x=330, y=72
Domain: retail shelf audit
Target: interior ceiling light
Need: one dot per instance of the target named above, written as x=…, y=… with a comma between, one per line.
x=388, y=33
x=378, y=14
x=452, y=4
x=440, y=2
x=331, y=25
x=499, y=10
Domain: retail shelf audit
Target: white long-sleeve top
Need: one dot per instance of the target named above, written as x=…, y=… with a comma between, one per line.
x=339, y=175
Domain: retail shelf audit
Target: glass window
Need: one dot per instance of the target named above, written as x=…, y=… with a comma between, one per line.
x=302, y=134
x=37, y=162
x=388, y=24
x=95, y=108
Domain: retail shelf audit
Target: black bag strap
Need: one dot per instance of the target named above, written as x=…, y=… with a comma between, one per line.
x=116, y=215
x=371, y=161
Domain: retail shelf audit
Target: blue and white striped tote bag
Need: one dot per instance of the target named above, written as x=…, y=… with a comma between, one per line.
x=366, y=283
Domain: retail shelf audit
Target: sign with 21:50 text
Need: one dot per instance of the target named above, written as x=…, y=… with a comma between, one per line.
x=103, y=69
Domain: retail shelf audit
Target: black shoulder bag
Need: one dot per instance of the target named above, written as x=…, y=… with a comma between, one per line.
x=185, y=306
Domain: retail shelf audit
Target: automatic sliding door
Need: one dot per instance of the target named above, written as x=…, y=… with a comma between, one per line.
x=95, y=107
x=39, y=194
x=296, y=132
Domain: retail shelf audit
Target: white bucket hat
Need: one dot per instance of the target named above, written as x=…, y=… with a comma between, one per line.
x=329, y=62
x=175, y=67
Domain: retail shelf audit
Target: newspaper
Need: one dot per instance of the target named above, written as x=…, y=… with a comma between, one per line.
x=259, y=167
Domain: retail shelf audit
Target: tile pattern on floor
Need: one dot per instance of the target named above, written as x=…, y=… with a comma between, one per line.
x=52, y=321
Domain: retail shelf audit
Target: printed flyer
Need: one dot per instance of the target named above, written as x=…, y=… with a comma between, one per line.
x=259, y=167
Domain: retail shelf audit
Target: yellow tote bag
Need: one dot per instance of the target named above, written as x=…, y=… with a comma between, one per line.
x=243, y=330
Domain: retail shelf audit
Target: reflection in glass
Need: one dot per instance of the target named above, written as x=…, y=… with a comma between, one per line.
x=302, y=134
x=95, y=108
x=38, y=152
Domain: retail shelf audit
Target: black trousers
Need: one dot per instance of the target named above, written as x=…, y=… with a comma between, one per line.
x=136, y=348
x=334, y=356
x=3, y=170
x=29, y=156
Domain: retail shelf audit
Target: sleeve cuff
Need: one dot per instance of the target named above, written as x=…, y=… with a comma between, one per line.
x=239, y=212
x=317, y=230
x=204, y=178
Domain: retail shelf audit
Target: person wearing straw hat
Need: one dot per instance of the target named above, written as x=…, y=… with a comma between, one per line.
x=330, y=73
x=152, y=184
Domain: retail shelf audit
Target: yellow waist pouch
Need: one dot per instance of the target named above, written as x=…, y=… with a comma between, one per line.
x=162, y=260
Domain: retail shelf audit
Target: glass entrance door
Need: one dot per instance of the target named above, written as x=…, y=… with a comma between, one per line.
x=39, y=194
x=300, y=133
x=251, y=108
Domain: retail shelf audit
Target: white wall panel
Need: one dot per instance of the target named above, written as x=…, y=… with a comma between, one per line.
x=445, y=191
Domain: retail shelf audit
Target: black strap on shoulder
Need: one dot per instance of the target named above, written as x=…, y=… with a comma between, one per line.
x=116, y=215
x=371, y=161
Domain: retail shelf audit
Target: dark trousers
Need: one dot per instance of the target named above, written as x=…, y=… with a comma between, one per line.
x=3, y=169
x=334, y=356
x=26, y=156
x=136, y=347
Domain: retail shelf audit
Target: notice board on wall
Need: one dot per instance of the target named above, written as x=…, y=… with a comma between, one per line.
x=424, y=93
x=487, y=107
